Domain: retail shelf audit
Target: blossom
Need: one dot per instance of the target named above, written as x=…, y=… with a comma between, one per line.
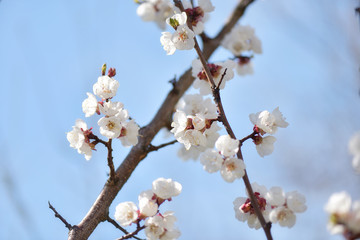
x=154, y=227
x=156, y=11
x=105, y=87
x=344, y=215
x=240, y=39
x=265, y=145
x=161, y=227
x=227, y=146
x=193, y=104
x=217, y=70
x=182, y=39
x=126, y=213
x=90, y=105
x=167, y=43
x=284, y=216
x=147, y=205
x=78, y=139
x=110, y=109
x=211, y=160
x=232, y=169
x=110, y=127
x=192, y=130
x=269, y=122
x=284, y=206
x=166, y=188
x=129, y=134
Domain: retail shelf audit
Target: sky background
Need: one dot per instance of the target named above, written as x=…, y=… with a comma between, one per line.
x=51, y=53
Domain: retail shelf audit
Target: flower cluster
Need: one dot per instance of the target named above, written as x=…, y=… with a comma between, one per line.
x=156, y=11
x=194, y=130
x=266, y=122
x=275, y=205
x=354, y=149
x=344, y=215
x=224, y=159
x=193, y=104
x=240, y=40
x=217, y=70
x=157, y=225
x=182, y=39
x=114, y=124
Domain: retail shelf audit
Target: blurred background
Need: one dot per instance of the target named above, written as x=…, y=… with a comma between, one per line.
x=51, y=53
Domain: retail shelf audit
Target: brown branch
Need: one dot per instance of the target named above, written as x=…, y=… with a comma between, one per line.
x=130, y=235
x=247, y=137
x=112, y=178
x=57, y=215
x=99, y=210
x=152, y=148
x=113, y=222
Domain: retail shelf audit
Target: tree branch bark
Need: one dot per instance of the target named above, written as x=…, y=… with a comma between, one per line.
x=99, y=210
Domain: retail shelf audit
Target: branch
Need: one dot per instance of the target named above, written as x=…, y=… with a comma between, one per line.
x=112, y=178
x=130, y=235
x=99, y=210
x=57, y=215
x=152, y=148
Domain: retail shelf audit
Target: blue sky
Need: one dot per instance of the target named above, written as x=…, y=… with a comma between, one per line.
x=50, y=56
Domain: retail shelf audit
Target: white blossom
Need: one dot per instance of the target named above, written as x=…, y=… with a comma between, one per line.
x=166, y=188
x=296, y=202
x=110, y=127
x=183, y=38
x=78, y=140
x=147, y=205
x=167, y=43
x=193, y=104
x=232, y=169
x=105, y=87
x=269, y=122
x=227, y=146
x=211, y=160
x=283, y=215
x=114, y=108
x=90, y=105
x=266, y=146
x=156, y=10
x=129, y=133
x=275, y=196
x=241, y=39
x=126, y=213
x=154, y=227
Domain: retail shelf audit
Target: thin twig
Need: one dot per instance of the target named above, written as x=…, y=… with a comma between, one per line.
x=57, y=215
x=222, y=77
x=113, y=222
x=130, y=235
x=247, y=137
x=152, y=148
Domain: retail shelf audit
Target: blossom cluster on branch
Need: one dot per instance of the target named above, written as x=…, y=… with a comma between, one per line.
x=157, y=225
